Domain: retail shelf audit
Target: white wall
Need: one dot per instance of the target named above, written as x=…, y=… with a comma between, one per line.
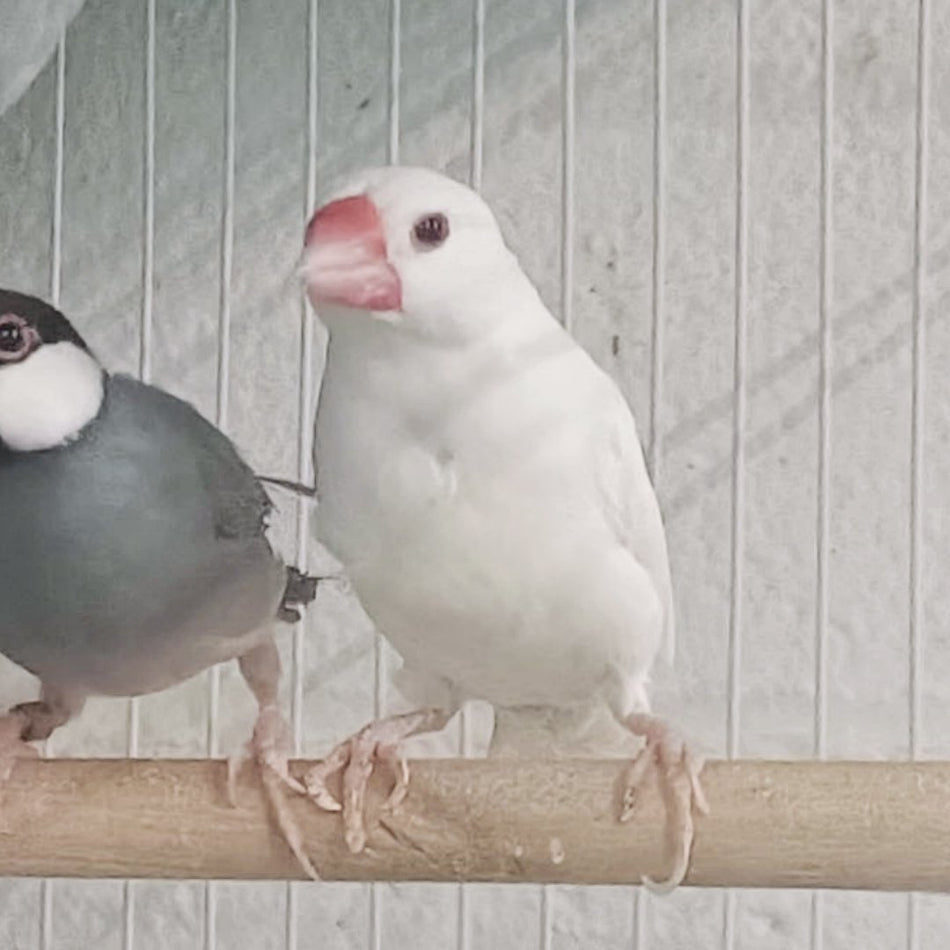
x=870, y=293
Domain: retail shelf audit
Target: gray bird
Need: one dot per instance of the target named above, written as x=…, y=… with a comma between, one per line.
x=133, y=551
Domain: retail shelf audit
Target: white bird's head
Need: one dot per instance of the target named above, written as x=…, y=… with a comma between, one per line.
x=413, y=248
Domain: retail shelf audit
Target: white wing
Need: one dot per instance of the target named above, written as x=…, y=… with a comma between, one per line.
x=630, y=503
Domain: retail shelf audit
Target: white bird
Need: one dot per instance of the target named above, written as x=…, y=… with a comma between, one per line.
x=481, y=480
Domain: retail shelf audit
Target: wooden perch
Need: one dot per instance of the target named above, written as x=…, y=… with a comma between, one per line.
x=883, y=826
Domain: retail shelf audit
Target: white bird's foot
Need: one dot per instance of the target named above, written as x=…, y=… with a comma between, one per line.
x=356, y=758
x=269, y=748
x=680, y=786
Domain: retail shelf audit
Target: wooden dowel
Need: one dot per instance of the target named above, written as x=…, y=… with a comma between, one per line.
x=873, y=825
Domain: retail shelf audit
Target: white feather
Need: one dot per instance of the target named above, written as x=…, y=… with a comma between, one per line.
x=49, y=398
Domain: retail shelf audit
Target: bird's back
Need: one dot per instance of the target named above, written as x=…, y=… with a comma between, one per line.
x=142, y=538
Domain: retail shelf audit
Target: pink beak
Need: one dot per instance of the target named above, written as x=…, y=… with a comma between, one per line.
x=345, y=260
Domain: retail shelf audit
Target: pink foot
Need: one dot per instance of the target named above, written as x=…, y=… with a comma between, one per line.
x=13, y=726
x=13, y=748
x=269, y=747
x=680, y=786
x=356, y=757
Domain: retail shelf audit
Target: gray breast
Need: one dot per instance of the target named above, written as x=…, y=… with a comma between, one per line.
x=135, y=556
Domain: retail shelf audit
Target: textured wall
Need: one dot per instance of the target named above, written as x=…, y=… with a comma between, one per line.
x=209, y=229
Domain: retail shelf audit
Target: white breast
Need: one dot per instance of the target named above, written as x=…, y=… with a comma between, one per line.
x=467, y=521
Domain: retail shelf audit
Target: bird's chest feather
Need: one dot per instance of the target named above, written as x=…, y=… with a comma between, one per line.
x=456, y=513
x=435, y=487
x=449, y=451
x=467, y=512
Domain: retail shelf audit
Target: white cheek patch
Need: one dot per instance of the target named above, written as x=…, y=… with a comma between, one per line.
x=49, y=398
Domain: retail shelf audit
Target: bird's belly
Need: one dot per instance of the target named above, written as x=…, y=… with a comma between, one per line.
x=480, y=555
x=162, y=664
x=110, y=626
x=486, y=601
x=130, y=659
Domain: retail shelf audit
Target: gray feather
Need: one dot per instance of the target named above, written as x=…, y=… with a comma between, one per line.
x=135, y=556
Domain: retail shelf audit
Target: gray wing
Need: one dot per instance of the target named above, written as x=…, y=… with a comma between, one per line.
x=239, y=503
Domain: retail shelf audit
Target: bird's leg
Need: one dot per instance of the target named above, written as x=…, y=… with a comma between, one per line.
x=356, y=757
x=270, y=741
x=270, y=746
x=680, y=786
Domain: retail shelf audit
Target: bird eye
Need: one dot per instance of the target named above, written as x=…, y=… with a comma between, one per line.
x=14, y=337
x=430, y=231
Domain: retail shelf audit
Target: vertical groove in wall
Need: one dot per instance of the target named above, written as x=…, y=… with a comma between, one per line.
x=144, y=366
x=227, y=227
x=739, y=380
x=545, y=915
x=148, y=225
x=825, y=303
x=55, y=281
x=919, y=384
x=824, y=384
x=304, y=432
x=567, y=165
x=659, y=235
x=56, y=244
x=919, y=321
x=476, y=158
x=223, y=384
x=478, y=94
x=640, y=901
x=739, y=413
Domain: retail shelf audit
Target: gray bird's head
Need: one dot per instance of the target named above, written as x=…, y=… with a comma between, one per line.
x=51, y=386
x=414, y=249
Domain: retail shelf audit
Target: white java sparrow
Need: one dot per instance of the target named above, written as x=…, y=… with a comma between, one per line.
x=481, y=480
x=133, y=548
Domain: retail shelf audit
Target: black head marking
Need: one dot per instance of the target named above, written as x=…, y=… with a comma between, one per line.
x=50, y=325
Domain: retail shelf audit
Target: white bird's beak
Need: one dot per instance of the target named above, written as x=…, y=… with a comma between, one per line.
x=344, y=260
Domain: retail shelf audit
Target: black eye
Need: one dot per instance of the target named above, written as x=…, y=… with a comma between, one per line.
x=12, y=339
x=430, y=230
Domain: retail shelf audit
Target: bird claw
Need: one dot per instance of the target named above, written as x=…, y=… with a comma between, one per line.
x=400, y=768
x=269, y=748
x=356, y=758
x=679, y=772
x=322, y=798
x=13, y=748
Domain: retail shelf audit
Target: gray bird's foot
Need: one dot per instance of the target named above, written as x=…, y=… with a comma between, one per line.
x=14, y=730
x=270, y=747
x=680, y=786
x=356, y=758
